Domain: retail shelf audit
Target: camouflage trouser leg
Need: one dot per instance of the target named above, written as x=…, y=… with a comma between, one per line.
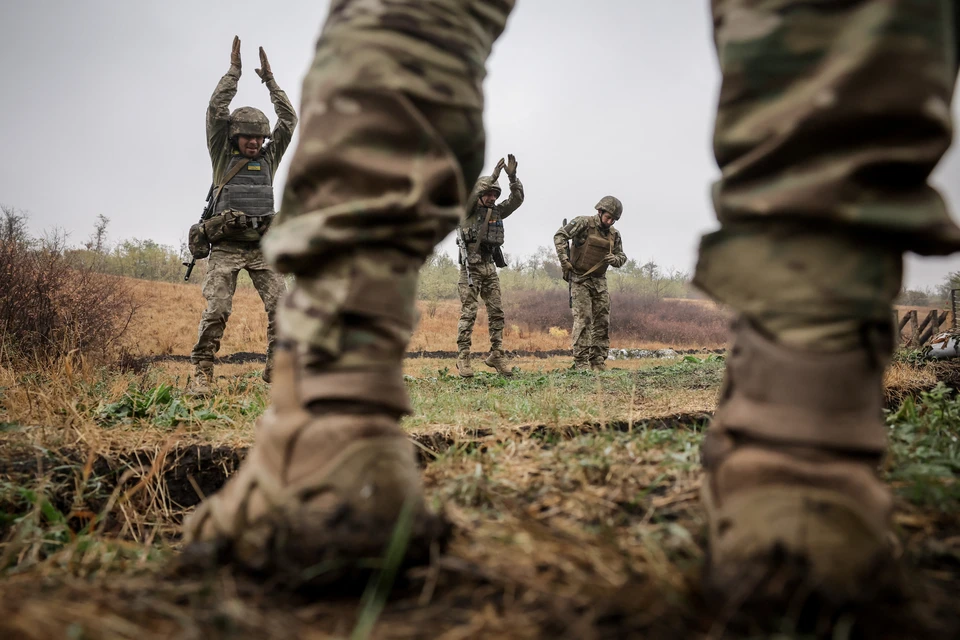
x=271, y=287
x=830, y=120
x=582, y=324
x=219, y=285
x=486, y=285
x=359, y=218
x=600, y=329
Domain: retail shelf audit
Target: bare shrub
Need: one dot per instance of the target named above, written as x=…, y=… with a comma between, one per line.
x=633, y=316
x=53, y=307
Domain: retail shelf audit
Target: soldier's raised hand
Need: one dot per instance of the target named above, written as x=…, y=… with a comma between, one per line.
x=511, y=166
x=498, y=169
x=264, y=71
x=235, y=53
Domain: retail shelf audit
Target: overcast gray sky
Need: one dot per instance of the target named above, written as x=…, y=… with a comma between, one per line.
x=104, y=106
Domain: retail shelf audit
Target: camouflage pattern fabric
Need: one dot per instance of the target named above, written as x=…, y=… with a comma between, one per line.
x=218, y=125
x=486, y=284
x=814, y=222
x=591, y=321
x=219, y=285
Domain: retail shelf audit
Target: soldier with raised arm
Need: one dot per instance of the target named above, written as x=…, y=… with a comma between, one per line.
x=596, y=245
x=245, y=155
x=482, y=230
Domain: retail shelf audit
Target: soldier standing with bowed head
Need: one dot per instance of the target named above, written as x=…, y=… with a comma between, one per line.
x=596, y=245
x=481, y=240
x=244, y=165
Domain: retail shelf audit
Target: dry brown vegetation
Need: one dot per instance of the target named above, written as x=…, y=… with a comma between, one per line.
x=572, y=496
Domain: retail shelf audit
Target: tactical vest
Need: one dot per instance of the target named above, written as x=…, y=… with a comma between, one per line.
x=250, y=193
x=590, y=255
x=489, y=226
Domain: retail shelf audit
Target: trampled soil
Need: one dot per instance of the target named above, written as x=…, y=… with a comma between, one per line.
x=560, y=583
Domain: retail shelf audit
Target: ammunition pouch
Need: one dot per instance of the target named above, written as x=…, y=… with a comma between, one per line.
x=198, y=242
x=234, y=225
x=498, y=258
x=589, y=258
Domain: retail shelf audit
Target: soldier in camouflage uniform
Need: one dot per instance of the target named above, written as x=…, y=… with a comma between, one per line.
x=596, y=245
x=244, y=210
x=482, y=230
x=831, y=118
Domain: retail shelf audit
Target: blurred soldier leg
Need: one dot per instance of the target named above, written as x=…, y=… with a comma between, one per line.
x=271, y=286
x=219, y=285
x=830, y=120
x=468, y=317
x=600, y=329
x=582, y=324
x=376, y=183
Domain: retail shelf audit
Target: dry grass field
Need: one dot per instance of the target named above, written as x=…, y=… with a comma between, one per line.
x=572, y=496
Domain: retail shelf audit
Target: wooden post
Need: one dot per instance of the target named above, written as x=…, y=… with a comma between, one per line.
x=914, y=329
x=933, y=320
x=896, y=323
x=904, y=321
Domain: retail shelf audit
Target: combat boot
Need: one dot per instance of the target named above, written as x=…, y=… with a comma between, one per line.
x=496, y=361
x=792, y=493
x=581, y=366
x=202, y=383
x=598, y=366
x=463, y=365
x=321, y=487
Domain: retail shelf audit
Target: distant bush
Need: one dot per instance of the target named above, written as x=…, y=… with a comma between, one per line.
x=53, y=306
x=633, y=316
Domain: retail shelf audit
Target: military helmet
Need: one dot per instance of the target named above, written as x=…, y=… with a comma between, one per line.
x=610, y=205
x=483, y=185
x=249, y=121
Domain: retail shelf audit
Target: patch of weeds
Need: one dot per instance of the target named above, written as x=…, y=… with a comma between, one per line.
x=924, y=455
x=690, y=373
x=158, y=405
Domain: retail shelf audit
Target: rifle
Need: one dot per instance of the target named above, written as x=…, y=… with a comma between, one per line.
x=207, y=210
x=464, y=257
x=570, y=276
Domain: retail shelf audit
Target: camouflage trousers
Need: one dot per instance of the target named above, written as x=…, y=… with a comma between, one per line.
x=814, y=222
x=225, y=263
x=591, y=321
x=486, y=284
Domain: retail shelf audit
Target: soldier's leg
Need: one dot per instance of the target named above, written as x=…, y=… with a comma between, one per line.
x=468, y=317
x=831, y=117
x=219, y=285
x=490, y=290
x=468, y=310
x=271, y=286
x=582, y=323
x=600, y=330
x=377, y=181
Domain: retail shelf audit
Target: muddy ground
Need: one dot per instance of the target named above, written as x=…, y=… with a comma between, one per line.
x=572, y=567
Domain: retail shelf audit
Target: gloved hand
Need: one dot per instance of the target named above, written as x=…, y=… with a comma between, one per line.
x=235, y=54
x=611, y=259
x=511, y=166
x=498, y=169
x=265, y=73
x=567, y=267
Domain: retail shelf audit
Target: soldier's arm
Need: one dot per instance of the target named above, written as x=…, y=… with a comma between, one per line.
x=513, y=202
x=618, y=252
x=286, y=123
x=564, y=235
x=218, y=112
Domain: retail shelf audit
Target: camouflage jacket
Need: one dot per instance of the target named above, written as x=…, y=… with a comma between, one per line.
x=218, y=125
x=501, y=211
x=577, y=230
